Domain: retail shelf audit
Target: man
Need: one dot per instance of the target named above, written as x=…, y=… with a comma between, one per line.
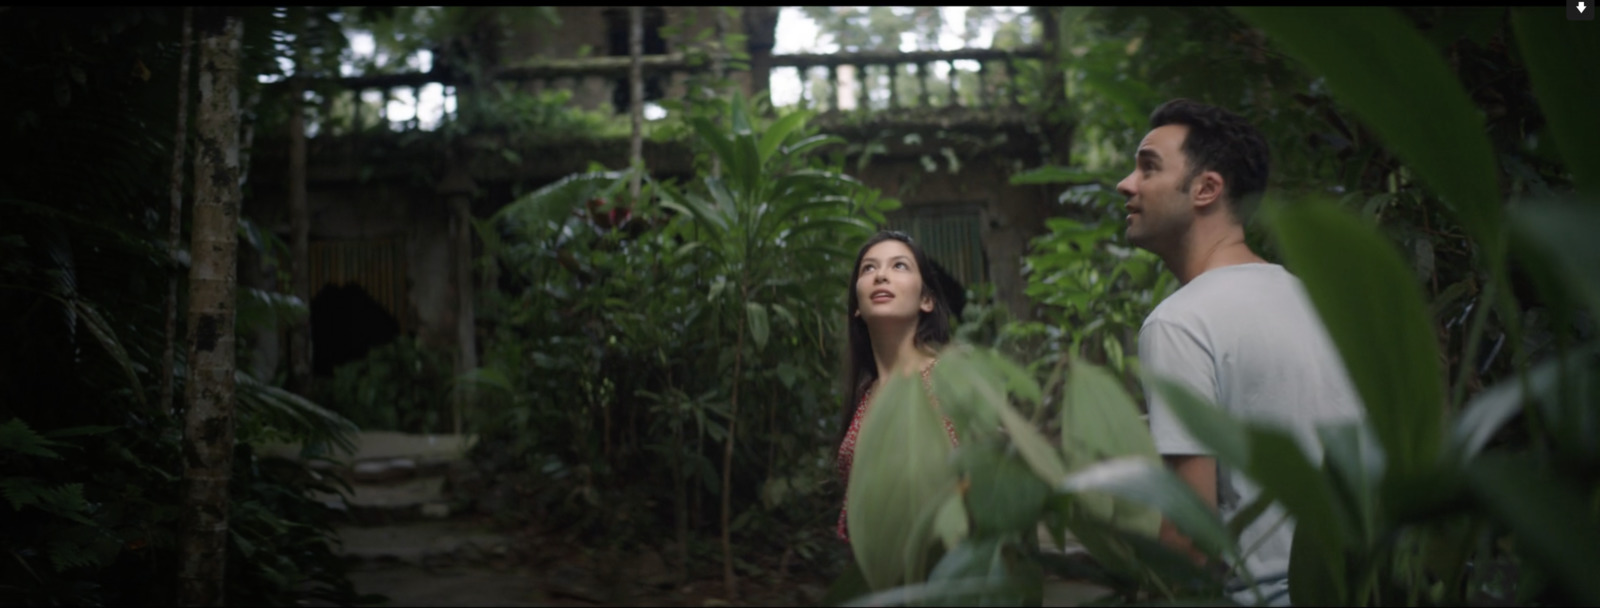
x=1240, y=331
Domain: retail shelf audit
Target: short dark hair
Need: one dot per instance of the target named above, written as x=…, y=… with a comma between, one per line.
x=1220, y=141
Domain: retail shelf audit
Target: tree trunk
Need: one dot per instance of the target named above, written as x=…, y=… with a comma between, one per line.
x=728, y=580
x=175, y=231
x=720, y=20
x=636, y=97
x=299, y=242
x=208, y=418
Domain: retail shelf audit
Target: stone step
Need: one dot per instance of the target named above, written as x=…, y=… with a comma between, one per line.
x=426, y=544
x=387, y=445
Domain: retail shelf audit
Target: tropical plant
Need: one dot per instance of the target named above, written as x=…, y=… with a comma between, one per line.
x=635, y=334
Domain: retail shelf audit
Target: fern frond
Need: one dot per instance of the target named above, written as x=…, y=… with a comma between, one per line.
x=17, y=436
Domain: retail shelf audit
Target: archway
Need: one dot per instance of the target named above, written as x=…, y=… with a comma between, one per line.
x=346, y=323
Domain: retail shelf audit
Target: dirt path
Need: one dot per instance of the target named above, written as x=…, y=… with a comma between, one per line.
x=466, y=562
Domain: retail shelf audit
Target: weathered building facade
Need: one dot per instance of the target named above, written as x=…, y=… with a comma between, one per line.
x=388, y=207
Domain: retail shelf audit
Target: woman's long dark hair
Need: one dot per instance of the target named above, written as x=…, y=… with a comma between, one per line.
x=933, y=328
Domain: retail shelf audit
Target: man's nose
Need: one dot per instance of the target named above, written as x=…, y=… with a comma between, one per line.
x=1125, y=187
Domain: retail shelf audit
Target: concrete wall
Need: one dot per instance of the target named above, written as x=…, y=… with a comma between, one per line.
x=376, y=210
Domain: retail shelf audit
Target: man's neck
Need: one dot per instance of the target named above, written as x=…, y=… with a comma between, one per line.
x=1209, y=250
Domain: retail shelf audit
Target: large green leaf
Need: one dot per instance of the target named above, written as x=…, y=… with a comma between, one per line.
x=721, y=144
x=1560, y=57
x=901, y=467
x=1355, y=464
x=1266, y=455
x=1099, y=420
x=1379, y=66
x=1316, y=572
x=107, y=337
x=1553, y=518
x=1375, y=313
x=553, y=203
x=1150, y=483
x=779, y=131
x=955, y=387
x=1003, y=494
x=757, y=314
x=1485, y=414
x=1564, y=231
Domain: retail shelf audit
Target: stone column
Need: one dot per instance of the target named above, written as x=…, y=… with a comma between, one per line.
x=458, y=188
x=761, y=29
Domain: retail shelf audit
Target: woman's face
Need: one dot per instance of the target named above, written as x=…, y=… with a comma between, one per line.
x=889, y=284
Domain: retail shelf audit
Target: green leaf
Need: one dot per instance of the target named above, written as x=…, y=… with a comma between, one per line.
x=1226, y=437
x=951, y=521
x=1485, y=414
x=17, y=436
x=901, y=467
x=1099, y=420
x=1552, y=518
x=1356, y=465
x=1376, y=315
x=1564, y=231
x=720, y=143
x=779, y=131
x=739, y=114
x=938, y=590
x=1559, y=55
x=107, y=337
x=1150, y=483
x=1379, y=66
x=1266, y=455
x=1248, y=515
x=748, y=168
x=554, y=202
x=1004, y=495
x=757, y=315
x=726, y=206
x=1316, y=572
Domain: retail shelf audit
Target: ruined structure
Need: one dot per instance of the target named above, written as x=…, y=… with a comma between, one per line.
x=388, y=204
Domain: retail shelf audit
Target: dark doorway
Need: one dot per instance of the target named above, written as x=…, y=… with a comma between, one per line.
x=346, y=323
x=654, y=44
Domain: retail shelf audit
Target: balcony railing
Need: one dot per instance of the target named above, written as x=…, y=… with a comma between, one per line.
x=983, y=78
x=867, y=82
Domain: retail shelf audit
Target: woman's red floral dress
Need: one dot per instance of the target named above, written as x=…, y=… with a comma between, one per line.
x=847, y=449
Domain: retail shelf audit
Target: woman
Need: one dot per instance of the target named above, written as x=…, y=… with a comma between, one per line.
x=898, y=320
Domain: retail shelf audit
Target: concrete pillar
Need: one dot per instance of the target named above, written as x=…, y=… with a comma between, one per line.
x=458, y=188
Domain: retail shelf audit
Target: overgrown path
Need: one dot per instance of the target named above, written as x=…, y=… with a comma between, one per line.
x=413, y=536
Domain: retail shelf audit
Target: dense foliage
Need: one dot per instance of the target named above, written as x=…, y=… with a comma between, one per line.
x=89, y=457
x=653, y=363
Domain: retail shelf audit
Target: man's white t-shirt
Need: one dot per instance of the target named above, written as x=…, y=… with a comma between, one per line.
x=1247, y=338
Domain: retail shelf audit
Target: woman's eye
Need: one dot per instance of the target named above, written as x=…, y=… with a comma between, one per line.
x=902, y=265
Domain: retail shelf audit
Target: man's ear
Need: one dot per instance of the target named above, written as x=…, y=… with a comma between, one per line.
x=1207, y=189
